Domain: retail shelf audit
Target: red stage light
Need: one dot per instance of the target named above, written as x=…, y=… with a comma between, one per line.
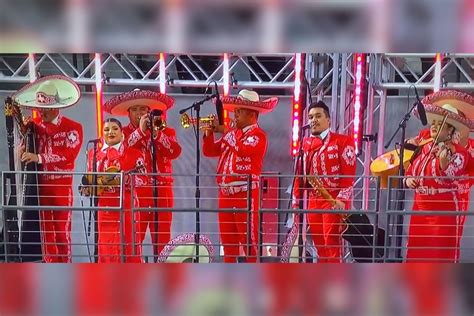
x=359, y=100
x=296, y=107
x=98, y=94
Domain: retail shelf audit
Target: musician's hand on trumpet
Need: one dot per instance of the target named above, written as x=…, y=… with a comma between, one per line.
x=212, y=127
x=144, y=123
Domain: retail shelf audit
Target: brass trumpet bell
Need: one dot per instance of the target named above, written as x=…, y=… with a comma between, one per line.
x=187, y=121
x=159, y=125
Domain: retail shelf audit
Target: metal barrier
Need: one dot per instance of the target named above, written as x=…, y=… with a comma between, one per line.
x=255, y=221
x=430, y=224
x=309, y=229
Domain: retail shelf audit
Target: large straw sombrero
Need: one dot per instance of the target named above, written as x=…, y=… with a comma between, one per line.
x=249, y=100
x=55, y=91
x=183, y=249
x=454, y=117
x=120, y=104
x=460, y=100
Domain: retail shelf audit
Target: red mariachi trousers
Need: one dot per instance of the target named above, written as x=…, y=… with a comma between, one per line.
x=160, y=231
x=234, y=226
x=56, y=224
x=112, y=244
x=326, y=229
x=434, y=238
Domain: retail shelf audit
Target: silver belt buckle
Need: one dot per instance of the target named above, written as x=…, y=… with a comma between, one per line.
x=423, y=190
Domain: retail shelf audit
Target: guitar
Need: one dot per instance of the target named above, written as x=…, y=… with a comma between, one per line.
x=388, y=164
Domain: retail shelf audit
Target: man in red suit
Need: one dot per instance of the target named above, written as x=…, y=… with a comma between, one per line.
x=240, y=151
x=138, y=105
x=327, y=154
x=436, y=238
x=58, y=142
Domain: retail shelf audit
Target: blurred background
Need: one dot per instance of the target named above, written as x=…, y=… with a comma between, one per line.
x=212, y=26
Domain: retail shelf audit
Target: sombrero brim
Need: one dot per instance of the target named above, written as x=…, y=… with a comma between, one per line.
x=265, y=106
x=120, y=104
x=182, y=249
x=68, y=92
x=462, y=101
x=434, y=112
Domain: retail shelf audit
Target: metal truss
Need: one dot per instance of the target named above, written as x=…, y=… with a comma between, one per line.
x=181, y=70
x=386, y=73
x=337, y=82
x=400, y=71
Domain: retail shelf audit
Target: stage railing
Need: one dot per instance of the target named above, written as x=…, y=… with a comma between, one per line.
x=265, y=219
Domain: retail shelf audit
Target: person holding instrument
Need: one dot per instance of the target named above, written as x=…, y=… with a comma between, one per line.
x=142, y=106
x=433, y=238
x=58, y=141
x=116, y=157
x=241, y=151
x=327, y=154
x=463, y=102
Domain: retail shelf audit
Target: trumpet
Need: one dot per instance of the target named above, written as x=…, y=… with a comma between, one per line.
x=204, y=122
x=159, y=124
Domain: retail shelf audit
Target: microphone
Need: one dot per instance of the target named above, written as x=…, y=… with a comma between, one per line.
x=219, y=106
x=421, y=109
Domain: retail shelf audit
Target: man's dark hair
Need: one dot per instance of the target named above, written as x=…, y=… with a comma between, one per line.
x=113, y=120
x=320, y=105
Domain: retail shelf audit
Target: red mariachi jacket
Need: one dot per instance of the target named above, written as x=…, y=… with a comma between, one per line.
x=333, y=156
x=167, y=149
x=58, y=146
x=427, y=164
x=240, y=152
x=125, y=159
x=464, y=185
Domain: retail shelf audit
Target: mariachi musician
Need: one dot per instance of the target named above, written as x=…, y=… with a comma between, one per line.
x=327, y=154
x=115, y=157
x=58, y=142
x=435, y=238
x=161, y=147
x=241, y=151
x=464, y=103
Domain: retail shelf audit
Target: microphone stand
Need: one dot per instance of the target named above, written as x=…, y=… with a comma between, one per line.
x=155, y=190
x=400, y=186
x=93, y=202
x=196, y=106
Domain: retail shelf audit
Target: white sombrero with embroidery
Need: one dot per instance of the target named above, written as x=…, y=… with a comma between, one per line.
x=182, y=249
x=462, y=101
x=249, y=100
x=455, y=117
x=120, y=104
x=55, y=91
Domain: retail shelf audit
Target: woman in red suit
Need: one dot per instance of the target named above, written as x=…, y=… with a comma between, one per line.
x=464, y=103
x=115, y=155
x=433, y=238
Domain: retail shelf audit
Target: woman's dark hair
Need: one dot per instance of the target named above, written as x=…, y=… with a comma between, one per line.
x=113, y=120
